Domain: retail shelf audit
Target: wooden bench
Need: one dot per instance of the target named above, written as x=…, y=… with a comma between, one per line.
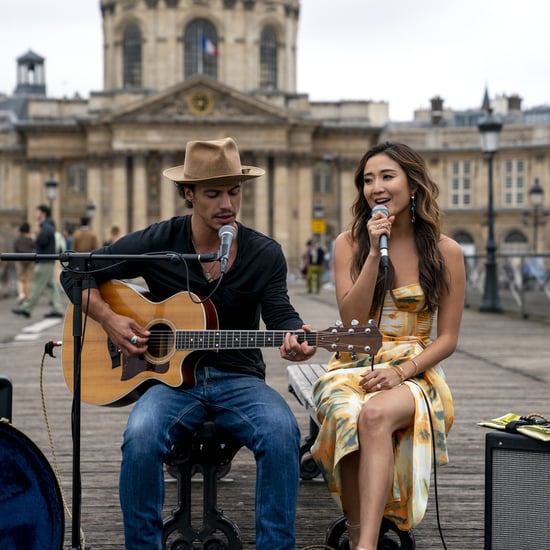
x=301, y=378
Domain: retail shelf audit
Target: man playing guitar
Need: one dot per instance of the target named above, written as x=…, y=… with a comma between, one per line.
x=229, y=384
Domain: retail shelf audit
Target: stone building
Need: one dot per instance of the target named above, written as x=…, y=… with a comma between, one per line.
x=176, y=70
x=450, y=142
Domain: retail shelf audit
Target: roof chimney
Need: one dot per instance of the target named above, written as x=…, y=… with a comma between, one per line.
x=437, y=110
x=514, y=103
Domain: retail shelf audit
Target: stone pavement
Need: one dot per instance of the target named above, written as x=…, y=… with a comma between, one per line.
x=502, y=365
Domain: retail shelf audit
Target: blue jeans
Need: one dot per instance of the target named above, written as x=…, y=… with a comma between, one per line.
x=247, y=407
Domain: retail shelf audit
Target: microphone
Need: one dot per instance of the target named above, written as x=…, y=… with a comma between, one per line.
x=227, y=233
x=383, y=242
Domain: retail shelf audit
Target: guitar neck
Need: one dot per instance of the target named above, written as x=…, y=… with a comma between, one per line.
x=237, y=339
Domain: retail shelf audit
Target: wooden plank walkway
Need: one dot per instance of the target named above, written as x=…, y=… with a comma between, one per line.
x=502, y=365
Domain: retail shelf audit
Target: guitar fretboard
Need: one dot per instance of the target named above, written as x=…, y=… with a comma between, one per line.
x=242, y=339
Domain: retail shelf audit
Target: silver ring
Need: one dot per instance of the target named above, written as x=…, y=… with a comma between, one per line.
x=134, y=339
x=378, y=387
x=292, y=354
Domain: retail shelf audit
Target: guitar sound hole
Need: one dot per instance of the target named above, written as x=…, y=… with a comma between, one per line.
x=161, y=341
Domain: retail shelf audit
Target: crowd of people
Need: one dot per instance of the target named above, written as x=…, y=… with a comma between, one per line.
x=38, y=278
x=382, y=417
x=43, y=278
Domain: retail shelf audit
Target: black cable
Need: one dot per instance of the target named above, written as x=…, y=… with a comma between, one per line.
x=436, y=495
x=384, y=290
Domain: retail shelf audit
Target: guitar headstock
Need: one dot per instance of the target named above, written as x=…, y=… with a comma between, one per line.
x=354, y=339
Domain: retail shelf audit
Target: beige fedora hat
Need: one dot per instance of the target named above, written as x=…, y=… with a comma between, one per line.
x=212, y=161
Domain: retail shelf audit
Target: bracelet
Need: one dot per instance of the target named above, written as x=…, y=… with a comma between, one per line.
x=415, y=366
x=399, y=369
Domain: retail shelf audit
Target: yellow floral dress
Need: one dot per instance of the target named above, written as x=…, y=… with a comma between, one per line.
x=406, y=328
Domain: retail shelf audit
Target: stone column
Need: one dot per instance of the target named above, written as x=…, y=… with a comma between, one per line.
x=36, y=192
x=261, y=197
x=304, y=209
x=348, y=191
x=95, y=178
x=139, y=193
x=119, y=194
x=282, y=200
x=169, y=198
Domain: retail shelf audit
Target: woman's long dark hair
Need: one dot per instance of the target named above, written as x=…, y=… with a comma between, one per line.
x=426, y=224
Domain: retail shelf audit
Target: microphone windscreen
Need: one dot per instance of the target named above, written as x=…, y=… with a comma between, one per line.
x=380, y=208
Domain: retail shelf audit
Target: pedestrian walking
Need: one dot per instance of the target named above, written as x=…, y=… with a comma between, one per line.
x=44, y=271
x=315, y=264
x=24, y=244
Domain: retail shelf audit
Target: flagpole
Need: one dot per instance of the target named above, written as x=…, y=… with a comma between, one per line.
x=201, y=54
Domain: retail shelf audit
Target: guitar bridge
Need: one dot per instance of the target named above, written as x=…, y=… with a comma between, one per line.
x=114, y=354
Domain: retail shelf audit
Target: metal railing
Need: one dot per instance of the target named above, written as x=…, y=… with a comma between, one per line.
x=523, y=283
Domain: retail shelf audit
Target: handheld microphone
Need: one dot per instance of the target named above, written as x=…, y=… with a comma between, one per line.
x=383, y=242
x=227, y=233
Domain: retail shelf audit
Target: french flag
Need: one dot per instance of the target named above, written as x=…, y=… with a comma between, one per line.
x=209, y=47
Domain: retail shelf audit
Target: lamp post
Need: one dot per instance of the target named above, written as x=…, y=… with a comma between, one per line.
x=90, y=209
x=51, y=190
x=489, y=128
x=536, y=198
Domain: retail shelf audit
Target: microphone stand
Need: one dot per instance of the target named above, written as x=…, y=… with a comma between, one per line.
x=78, y=264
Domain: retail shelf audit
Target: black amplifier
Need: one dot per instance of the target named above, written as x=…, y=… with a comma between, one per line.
x=517, y=492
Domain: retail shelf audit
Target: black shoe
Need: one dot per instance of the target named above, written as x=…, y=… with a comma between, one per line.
x=21, y=312
x=53, y=314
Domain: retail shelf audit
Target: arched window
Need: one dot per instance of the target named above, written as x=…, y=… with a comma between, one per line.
x=268, y=59
x=200, y=49
x=132, y=66
x=463, y=237
x=515, y=236
x=515, y=242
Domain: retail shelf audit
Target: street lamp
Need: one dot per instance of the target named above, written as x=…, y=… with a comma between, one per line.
x=489, y=128
x=536, y=198
x=51, y=190
x=90, y=209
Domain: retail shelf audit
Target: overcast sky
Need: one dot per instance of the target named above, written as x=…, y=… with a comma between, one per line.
x=400, y=51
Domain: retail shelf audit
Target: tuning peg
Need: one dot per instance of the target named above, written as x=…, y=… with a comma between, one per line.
x=354, y=323
x=353, y=356
x=338, y=323
x=371, y=322
x=366, y=349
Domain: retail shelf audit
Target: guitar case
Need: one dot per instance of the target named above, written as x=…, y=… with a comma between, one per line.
x=31, y=507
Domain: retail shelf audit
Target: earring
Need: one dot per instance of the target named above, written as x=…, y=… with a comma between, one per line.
x=413, y=209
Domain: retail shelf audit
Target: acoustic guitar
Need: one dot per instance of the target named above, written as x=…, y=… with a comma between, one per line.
x=110, y=378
